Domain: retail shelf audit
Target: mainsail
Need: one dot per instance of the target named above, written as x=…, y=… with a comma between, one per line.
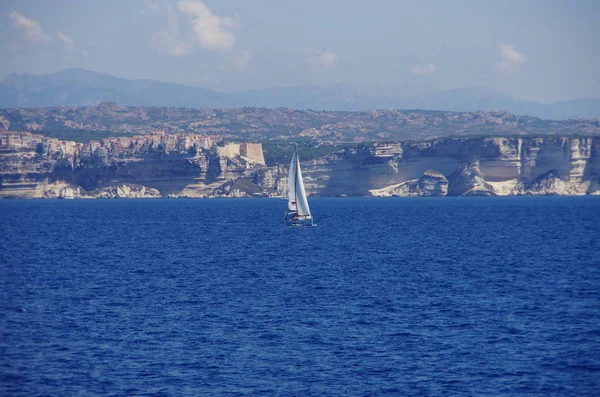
x=301, y=201
x=292, y=183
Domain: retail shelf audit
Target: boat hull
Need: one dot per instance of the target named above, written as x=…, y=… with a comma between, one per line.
x=293, y=219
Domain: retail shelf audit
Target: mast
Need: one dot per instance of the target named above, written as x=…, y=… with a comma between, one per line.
x=296, y=176
x=292, y=183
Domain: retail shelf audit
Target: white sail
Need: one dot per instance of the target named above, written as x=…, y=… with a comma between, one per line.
x=301, y=201
x=298, y=213
x=292, y=183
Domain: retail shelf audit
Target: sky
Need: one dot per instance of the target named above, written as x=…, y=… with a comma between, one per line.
x=542, y=50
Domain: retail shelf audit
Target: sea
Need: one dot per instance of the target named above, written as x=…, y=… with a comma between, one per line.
x=446, y=296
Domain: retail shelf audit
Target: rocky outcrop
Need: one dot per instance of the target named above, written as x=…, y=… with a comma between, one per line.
x=550, y=184
x=431, y=183
x=468, y=180
x=61, y=190
x=4, y=124
x=39, y=167
x=126, y=191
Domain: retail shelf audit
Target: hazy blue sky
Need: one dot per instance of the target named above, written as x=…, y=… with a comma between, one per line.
x=544, y=50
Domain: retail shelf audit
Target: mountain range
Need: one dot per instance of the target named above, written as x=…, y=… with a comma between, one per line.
x=79, y=87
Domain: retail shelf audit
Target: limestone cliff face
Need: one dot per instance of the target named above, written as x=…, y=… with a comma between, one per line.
x=272, y=180
x=494, y=166
x=431, y=183
x=33, y=166
x=473, y=166
x=468, y=180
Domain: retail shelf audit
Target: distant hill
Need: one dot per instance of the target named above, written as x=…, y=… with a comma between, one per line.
x=84, y=123
x=82, y=87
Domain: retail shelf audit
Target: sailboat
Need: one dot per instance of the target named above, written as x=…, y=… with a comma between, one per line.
x=298, y=212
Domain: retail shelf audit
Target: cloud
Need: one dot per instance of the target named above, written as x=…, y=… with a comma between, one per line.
x=210, y=31
x=511, y=58
x=424, y=70
x=191, y=24
x=68, y=45
x=242, y=60
x=168, y=40
x=65, y=39
x=35, y=33
x=323, y=61
x=32, y=28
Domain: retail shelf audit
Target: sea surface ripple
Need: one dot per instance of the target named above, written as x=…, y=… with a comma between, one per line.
x=398, y=297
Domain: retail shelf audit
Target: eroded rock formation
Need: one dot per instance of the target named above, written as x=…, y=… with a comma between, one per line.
x=502, y=166
x=431, y=183
x=497, y=166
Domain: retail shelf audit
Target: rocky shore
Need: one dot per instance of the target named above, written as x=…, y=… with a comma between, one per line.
x=33, y=166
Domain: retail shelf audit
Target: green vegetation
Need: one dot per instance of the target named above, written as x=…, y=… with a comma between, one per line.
x=280, y=152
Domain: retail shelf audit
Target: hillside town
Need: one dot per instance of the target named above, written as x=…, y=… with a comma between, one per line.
x=116, y=146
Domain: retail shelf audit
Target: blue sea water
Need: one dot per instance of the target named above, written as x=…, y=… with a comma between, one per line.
x=398, y=297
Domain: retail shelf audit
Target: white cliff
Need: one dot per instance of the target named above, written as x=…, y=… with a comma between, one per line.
x=163, y=165
x=431, y=183
x=497, y=166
